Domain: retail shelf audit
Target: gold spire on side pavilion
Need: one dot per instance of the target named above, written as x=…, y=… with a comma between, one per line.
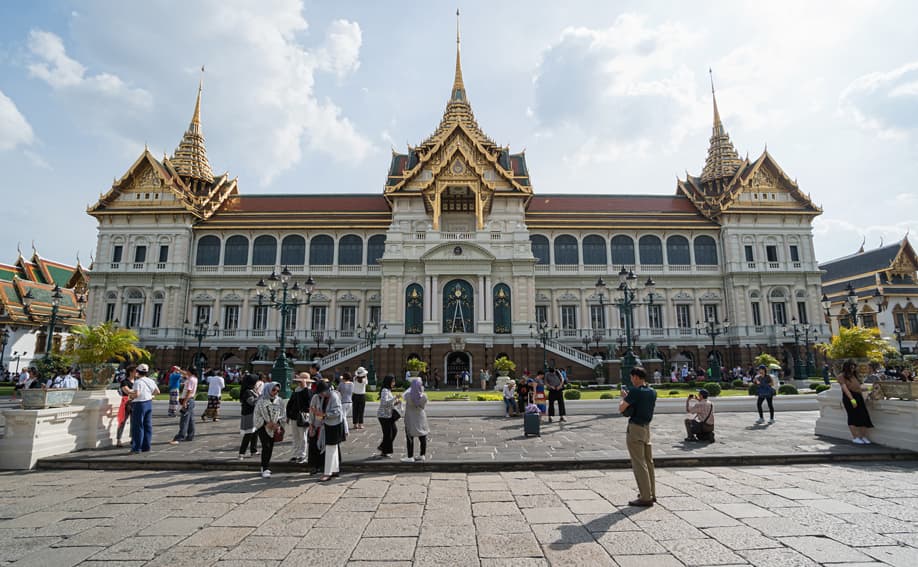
x=723, y=161
x=190, y=159
x=458, y=95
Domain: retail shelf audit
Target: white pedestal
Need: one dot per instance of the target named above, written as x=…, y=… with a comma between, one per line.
x=90, y=422
x=895, y=422
x=500, y=382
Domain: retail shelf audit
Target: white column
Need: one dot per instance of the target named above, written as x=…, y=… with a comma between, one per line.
x=433, y=294
x=482, y=316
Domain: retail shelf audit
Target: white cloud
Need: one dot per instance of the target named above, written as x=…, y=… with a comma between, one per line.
x=884, y=102
x=341, y=55
x=14, y=128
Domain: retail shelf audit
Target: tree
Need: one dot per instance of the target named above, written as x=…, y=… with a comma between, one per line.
x=106, y=343
x=767, y=360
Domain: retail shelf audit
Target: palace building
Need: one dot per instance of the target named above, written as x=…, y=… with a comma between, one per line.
x=460, y=258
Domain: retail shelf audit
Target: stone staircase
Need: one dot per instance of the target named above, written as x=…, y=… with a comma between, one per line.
x=344, y=354
x=572, y=354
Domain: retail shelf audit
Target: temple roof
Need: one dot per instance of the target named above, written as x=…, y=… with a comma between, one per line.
x=723, y=161
x=615, y=212
x=38, y=276
x=302, y=211
x=867, y=262
x=190, y=158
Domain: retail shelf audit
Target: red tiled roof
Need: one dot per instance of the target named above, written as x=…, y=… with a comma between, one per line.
x=561, y=203
x=306, y=203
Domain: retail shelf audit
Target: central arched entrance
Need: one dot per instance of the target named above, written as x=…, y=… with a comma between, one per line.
x=456, y=364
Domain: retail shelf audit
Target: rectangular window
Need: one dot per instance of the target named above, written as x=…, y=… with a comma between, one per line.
x=117, y=252
x=655, y=316
x=771, y=253
x=348, y=317
x=163, y=254
x=202, y=313
x=913, y=323
x=779, y=314
x=260, y=317
x=568, y=316
x=794, y=253
x=542, y=314
x=375, y=310
x=750, y=256
x=109, y=311
x=756, y=314
x=290, y=322
x=869, y=321
x=134, y=311
x=157, y=315
x=684, y=316
x=900, y=323
x=319, y=317
x=597, y=317
x=230, y=317
x=140, y=254
x=801, y=313
x=710, y=312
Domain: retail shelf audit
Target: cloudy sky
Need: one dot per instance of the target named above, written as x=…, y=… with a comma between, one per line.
x=310, y=97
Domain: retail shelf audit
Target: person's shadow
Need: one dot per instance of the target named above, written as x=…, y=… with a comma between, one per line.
x=572, y=534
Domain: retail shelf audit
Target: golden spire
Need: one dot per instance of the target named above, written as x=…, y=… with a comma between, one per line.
x=722, y=161
x=190, y=159
x=458, y=94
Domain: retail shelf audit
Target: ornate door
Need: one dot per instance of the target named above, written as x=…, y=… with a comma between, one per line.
x=458, y=307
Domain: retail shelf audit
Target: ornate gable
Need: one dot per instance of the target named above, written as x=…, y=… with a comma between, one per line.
x=765, y=187
x=905, y=264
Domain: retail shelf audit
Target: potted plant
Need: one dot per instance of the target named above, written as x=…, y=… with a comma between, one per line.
x=99, y=349
x=504, y=366
x=415, y=366
x=864, y=346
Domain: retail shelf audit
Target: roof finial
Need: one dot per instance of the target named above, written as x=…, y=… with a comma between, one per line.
x=19, y=247
x=717, y=123
x=458, y=94
x=34, y=250
x=190, y=158
x=863, y=242
x=196, y=117
x=722, y=161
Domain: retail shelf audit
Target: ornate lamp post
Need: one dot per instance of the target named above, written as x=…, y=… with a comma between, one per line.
x=200, y=331
x=5, y=337
x=897, y=332
x=713, y=329
x=318, y=336
x=803, y=366
x=329, y=342
x=626, y=301
x=371, y=333
x=17, y=356
x=56, y=297
x=544, y=333
x=279, y=294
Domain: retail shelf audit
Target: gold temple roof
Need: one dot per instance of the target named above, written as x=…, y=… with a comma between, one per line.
x=190, y=159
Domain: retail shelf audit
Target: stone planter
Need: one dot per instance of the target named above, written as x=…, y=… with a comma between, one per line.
x=35, y=398
x=97, y=376
x=863, y=366
x=896, y=389
x=894, y=421
x=501, y=381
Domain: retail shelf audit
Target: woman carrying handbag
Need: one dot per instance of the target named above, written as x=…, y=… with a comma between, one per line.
x=334, y=429
x=269, y=420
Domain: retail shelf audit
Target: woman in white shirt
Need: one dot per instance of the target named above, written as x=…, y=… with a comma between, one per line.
x=359, y=396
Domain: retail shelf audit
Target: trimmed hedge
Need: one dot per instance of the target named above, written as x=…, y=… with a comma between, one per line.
x=200, y=397
x=234, y=392
x=753, y=390
x=571, y=394
x=788, y=390
x=606, y=396
x=713, y=388
x=822, y=388
x=674, y=392
x=814, y=385
x=738, y=384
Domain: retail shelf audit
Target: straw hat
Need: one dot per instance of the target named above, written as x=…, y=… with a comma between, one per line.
x=361, y=372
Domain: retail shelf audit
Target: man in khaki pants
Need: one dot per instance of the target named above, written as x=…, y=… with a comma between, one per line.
x=638, y=405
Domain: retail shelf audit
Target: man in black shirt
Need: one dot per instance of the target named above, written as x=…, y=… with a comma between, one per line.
x=638, y=405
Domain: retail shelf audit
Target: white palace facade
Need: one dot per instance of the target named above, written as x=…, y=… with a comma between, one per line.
x=460, y=258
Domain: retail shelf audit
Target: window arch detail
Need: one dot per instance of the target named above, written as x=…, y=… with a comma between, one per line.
x=458, y=307
x=236, y=251
x=594, y=250
x=350, y=250
x=264, y=251
x=705, y=251
x=376, y=247
x=321, y=250
x=208, y=251
x=414, y=309
x=566, y=252
x=503, y=323
x=677, y=251
x=540, y=248
x=651, y=250
x=622, y=250
x=293, y=250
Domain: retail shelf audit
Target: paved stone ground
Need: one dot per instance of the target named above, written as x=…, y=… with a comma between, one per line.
x=501, y=441
x=851, y=514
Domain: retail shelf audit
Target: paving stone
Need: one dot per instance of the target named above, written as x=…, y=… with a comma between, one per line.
x=670, y=529
x=454, y=556
x=443, y=536
x=176, y=526
x=779, y=557
x=647, y=561
x=743, y=510
x=34, y=520
x=504, y=545
x=297, y=527
x=629, y=543
x=537, y=500
x=500, y=524
x=393, y=527
x=240, y=563
x=321, y=537
x=495, y=509
x=399, y=511
x=385, y=548
x=576, y=494
x=797, y=494
x=594, y=506
x=57, y=556
x=577, y=555
x=312, y=557
x=68, y=527
x=682, y=503
x=561, y=534
x=614, y=522
x=14, y=549
x=102, y=535
x=898, y=556
x=781, y=527
x=824, y=550
x=223, y=536
x=707, y=518
x=502, y=496
x=138, y=547
x=559, y=515
x=741, y=537
x=701, y=552
x=122, y=563
x=515, y=562
x=256, y=547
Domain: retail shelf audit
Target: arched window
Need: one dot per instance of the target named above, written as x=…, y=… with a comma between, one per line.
x=502, y=314
x=236, y=251
x=376, y=247
x=594, y=250
x=540, y=248
x=414, y=310
x=566, y=250
x=293, y=250
x=458, y=307
x=651, y=250
x=264, y=251
x=321, y=251
x=677, y=251
x=623, y=250
x=705, y=251
x=208, y=251
x=350, y=250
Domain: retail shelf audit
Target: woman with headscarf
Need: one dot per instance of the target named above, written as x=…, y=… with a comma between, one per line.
x=386, y=413
x=333, y=430
x=416, y=420
x=248, y=398
x=269, y=416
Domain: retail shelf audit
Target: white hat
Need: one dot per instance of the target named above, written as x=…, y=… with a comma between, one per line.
x=361, y=372
x=143, y=368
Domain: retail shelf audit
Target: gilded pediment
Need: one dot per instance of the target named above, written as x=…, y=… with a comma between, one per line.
x=458, y=252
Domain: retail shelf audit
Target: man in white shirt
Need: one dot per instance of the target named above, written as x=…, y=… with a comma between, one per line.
x=70, y=381
x=215, y=385
x=142, y=409
x=186, y=421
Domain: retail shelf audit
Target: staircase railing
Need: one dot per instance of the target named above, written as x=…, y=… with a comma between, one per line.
x=573, y=354
x=344, y=354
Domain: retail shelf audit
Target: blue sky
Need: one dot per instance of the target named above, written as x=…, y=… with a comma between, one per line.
x=310, y=97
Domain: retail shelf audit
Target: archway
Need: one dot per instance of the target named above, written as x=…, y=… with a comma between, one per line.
x=456, y=364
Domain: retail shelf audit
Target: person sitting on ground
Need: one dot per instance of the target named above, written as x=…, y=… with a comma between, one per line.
x=699, y=426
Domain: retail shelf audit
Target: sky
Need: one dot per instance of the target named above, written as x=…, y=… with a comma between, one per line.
x=604, y=97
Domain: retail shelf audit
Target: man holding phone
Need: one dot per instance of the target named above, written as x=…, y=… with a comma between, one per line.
x=638, y=404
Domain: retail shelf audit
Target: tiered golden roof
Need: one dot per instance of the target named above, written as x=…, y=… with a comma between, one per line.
x=723, y=161
x=190, y=159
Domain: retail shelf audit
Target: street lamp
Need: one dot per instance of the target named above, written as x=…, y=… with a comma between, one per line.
x=371, y=333
x=56, y=297
x=17, y=356
x=626, y=300
x=544, y=333
x=5, y=337
x=803, y=367
x=329, y=342
x=200, y=331
x=279, y=294
x=712, y=328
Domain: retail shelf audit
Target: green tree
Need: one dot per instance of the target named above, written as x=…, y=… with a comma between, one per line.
x=766, y=359
x=106, y=343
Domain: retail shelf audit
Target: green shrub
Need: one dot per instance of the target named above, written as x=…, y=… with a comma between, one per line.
x=738, y=384
x=234, y=392
x=713, y=388
x=606, y=396
x=200, y=397
x=372, y=397
x=822, y=387
x=814, y=385
x=788, y=390
x=572, y=394
x=674, y=392
x=753, y=389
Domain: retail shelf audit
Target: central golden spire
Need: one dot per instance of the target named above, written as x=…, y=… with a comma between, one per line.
x=458, y=95
x=190, y=159
x=722, y=161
